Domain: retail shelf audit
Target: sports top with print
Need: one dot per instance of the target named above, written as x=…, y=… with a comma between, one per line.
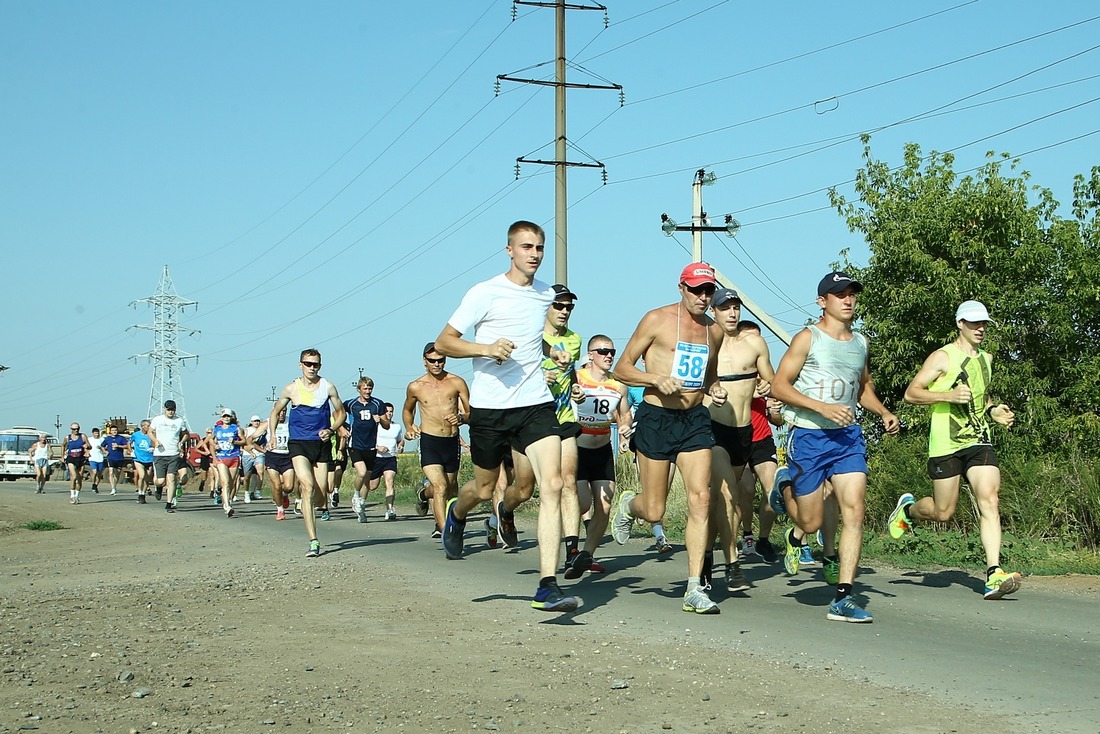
x=831, y=374
x=955, y=427
x=309, y=410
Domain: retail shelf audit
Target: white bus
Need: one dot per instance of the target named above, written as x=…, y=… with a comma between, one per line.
x=15, y=447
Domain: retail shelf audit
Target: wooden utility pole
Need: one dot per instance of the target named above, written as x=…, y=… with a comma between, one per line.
x=700, y=224
x=561, y=141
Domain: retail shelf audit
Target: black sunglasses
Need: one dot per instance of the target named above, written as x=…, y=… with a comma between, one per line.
x=604, y=351
x=429, y=360
x=563, y=306
x=314, y=365
x=699, y=290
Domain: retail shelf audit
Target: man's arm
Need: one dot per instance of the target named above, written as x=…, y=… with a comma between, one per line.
x=339, y=413
x=450, y=343
x=764, y=360
x=463, y=400
x=408, y=413
x=640, y=341
x=934, y=367
x=869, y=399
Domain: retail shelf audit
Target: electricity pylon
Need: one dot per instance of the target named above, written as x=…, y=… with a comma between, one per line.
x=165, y=355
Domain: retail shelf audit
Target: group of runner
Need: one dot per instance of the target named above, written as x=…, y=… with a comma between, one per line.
x=702, y=403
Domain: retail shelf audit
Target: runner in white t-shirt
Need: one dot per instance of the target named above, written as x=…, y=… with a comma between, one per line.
x=511, y=406
x=167, y=431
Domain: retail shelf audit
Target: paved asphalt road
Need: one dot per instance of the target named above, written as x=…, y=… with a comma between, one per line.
x=1032, y=660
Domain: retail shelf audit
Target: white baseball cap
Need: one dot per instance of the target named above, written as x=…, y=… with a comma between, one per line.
x=254, y=419
x=972, y=311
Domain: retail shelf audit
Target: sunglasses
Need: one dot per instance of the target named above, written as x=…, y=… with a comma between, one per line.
x=74, y=428
x=429, y=360
x=312, y=365
x=707, y=289
x=563, y=306
x=604, y=351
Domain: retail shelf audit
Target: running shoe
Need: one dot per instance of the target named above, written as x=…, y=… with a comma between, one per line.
x=662, y=545
x=286, y=502
x=491, y=531
x=1001, y=583
x=436, y=534
x=551, y=599
x=597, y=567
x=452, y=532
x=280, y=513
x=830, y=566
x=697, y=601
x=325, y=515
x=766, y=551
x=361, y=511
x=391, y=514
x=791, y=556
x=168, y=507
x=846, y=610
x=217, y=496
x=141, y=498
x=335, y=498
x=735, y=578
x=506, y=527
x=775, y=497
x=298, y=508
x=707, y=574
x=748, y=547
x=314, y=549
x=179, y=491
x=624, y=521
x=806, y=556
x=421, y=501
x=577, y=564
x=95, y=488
x=114, y=491
x=159, y=493
x=898, y=522
x=248, y=498
x=229, y=512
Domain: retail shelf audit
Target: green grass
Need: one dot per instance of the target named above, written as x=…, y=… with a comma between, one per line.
x=42, y=525
x=1070, y=503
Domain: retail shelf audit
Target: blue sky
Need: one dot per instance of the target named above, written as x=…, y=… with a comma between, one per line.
x=337, y=175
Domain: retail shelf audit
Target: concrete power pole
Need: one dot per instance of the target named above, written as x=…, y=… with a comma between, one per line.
x=700, y=224
x=166, y=356
x=561, y=141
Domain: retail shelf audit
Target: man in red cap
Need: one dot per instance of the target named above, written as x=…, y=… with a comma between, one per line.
x=679, y=344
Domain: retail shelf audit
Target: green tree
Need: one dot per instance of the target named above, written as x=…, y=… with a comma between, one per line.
x=937, y=238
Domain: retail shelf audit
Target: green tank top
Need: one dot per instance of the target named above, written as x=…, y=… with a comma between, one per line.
x=956, y=427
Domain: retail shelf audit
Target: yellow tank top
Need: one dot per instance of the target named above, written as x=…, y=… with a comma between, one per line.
x=955, y=427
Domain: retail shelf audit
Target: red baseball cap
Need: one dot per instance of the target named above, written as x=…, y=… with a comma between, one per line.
x=697, y=274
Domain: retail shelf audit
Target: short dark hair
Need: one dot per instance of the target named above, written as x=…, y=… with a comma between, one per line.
x=598, y=338
x=746, y=324
x=524, y=226
x=389, y=406
x=311, y=352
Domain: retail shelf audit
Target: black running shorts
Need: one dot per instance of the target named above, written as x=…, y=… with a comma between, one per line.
x=663, y=433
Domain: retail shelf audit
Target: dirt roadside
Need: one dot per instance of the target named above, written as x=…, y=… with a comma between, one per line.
x=131, y=621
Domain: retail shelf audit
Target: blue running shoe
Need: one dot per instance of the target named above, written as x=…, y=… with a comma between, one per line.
x=452, y=532
x=775, y=497
x=846, y=610
x=806, y=557
x=551, y=599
